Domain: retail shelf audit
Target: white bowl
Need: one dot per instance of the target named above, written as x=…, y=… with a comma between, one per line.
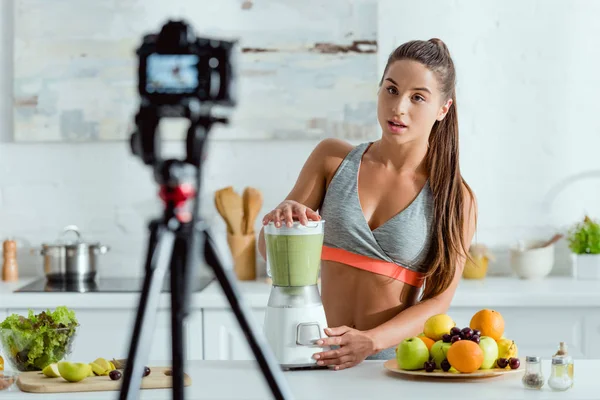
x=532, y=263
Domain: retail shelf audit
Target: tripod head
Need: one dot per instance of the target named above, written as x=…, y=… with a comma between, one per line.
x=180, y=76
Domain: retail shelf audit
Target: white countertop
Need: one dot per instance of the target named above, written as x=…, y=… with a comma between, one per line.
x=243, y=380
x=491, y=292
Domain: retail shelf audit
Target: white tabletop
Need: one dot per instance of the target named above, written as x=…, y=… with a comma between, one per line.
x=217, y=380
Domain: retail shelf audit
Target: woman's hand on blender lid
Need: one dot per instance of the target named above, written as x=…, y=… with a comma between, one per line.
x=289, y=211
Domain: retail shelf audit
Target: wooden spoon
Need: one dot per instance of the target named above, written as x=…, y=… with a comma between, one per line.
x=221, y=208
x=554, y=239
x=234, y=210
x=253, y=201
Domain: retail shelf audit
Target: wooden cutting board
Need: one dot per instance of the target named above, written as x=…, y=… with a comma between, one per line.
x=36, y=382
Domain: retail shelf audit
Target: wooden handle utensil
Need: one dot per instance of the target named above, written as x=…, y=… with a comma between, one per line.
x=253, y=201
x=239, y=213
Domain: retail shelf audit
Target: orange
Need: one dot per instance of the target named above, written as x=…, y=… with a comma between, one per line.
x=465, y=356
x=489, y=323
x=428, y=341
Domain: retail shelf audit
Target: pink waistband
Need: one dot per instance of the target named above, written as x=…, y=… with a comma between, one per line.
x=380, y=267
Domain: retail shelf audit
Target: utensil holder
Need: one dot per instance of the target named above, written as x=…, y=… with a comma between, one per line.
x=243, y=252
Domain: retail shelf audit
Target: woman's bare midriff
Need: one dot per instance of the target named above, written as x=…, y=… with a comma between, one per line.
x=361, y=299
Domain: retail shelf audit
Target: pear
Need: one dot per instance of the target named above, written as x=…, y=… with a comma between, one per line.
x=74, y=372
x=51, y=371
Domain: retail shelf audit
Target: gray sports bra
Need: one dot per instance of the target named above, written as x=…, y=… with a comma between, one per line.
x=403, y=240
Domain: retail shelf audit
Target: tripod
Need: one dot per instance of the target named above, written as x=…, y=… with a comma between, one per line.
x=173, y=241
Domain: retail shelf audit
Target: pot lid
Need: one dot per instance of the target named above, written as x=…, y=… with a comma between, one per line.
x=71, y=243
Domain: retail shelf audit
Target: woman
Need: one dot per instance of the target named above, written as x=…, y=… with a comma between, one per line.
x=398, y=215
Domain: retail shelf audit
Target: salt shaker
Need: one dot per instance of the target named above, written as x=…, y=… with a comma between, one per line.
x=559, y=377
x=533, y=378
x=10, y=270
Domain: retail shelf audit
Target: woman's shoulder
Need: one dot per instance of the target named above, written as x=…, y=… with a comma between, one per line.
x=334, y=147
x=332, y=151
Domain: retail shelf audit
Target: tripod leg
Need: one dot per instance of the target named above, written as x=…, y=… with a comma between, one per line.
x=267, y=362
x=157, y=262
x=180, y=290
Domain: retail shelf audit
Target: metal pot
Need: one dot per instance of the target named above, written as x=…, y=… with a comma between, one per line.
x=71, y=262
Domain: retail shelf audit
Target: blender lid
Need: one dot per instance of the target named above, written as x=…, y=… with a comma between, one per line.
x=310, y=223
x=311, y=228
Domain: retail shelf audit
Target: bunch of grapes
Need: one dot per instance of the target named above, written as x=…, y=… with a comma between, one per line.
x=457, y=334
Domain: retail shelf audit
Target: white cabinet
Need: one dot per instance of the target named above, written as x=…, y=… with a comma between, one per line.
x=107, y=333
x=102, y=333
x=3, y=314
x=195, y=335
x=223, y=338
x=592, y=335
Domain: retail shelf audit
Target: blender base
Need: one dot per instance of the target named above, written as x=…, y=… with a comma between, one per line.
x=303, y=367
x=293, y=323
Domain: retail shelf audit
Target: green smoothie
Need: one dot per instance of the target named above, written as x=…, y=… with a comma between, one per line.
x=294, y=259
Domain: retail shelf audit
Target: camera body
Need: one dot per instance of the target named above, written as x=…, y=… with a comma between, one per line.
x=175, y=66
x=181, y=76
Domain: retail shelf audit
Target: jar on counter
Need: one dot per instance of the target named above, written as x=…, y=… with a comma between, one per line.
x=564, y=353
x=10, y=269
x=559, y=377
x=533, y=378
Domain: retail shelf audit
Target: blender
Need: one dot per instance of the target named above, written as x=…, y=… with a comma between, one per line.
x=295, y=318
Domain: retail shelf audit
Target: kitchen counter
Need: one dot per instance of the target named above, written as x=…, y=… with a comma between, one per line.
x=491, y=292
x=243, y=380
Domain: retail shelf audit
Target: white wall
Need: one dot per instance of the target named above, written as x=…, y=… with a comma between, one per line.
x=527, y=99
x=527, y=95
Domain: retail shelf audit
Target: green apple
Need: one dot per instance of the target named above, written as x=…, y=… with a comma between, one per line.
x=412, y=353
x=51, y=371
x=439, y=351
x=74, y=372
x=490, y=351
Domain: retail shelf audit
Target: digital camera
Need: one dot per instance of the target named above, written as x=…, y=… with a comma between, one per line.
x=175, y=66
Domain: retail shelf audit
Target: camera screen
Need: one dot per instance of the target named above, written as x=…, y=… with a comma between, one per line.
x=172, y=73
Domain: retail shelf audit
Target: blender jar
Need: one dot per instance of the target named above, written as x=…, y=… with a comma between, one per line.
x=294, y=253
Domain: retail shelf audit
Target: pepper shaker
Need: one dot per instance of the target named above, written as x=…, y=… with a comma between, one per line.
x=533, y=378
x=10, y=272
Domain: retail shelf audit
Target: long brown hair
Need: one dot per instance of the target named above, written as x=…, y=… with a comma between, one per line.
x=445, y=179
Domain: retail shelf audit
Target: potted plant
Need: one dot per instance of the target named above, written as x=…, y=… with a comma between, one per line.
x=584, y=243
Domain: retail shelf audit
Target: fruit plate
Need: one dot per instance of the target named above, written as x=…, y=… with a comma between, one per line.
x=392, y=365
